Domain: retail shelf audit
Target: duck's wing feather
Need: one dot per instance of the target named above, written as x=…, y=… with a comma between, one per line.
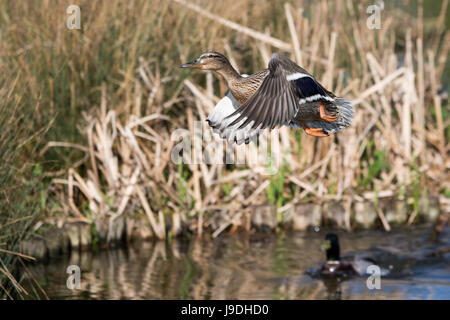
x=280, y=95
x=219, y=121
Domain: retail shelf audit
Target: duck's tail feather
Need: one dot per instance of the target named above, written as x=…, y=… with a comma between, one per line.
x=345, y=112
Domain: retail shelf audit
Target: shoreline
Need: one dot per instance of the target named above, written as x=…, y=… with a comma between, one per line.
x=255, y=219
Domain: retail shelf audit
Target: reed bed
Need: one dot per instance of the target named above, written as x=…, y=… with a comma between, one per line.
x=18, y=184
x=118, y=96
x=397, y=145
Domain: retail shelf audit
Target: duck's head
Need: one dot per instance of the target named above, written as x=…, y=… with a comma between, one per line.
x=209, y=60
x=331, y=246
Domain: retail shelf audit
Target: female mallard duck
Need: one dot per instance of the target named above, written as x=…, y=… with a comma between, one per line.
x=335, y=266
x=283, y=94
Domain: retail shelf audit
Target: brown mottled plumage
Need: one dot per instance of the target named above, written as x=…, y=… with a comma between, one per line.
x=283, y=94
x=243, y=88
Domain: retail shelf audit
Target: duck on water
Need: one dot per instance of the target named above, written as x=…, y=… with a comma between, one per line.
x=336, y=266
x=283, y=94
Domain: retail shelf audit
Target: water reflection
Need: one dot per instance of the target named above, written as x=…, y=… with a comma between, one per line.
x=252, y=267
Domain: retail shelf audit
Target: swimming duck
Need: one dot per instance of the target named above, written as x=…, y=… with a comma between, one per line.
x=335, y=266
x=282, y=94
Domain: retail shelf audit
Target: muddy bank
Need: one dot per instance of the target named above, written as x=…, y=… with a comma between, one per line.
x=387, y=213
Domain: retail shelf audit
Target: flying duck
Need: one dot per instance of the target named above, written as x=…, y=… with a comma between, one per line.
x=282, y=94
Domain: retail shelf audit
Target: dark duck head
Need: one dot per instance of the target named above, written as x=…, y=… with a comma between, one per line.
x=334, y=266
x=283, y=94
x=342, y=267
x=331, y=247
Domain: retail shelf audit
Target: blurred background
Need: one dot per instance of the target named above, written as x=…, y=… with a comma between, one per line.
x=88, y=117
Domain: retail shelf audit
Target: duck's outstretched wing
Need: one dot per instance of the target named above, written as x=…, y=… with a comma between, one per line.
x=277, y=101
x=219, y=121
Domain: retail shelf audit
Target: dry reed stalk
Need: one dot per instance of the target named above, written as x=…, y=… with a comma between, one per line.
x=412, y=217
x=258, y=190
x=158, y=227
x=196, y=175
x=265, y=56
x=203, y=98
x=70, y=198
x=294, y=36
x=377, y=72
x=420, y=112
x=16, y=284
x=247, y=31
x=347, y=208
x=26, y=257
x=318, y=164
x=230, y=55
x=380, y=85
x=235, y=26
x=225, y=225
x=27, y=271
x=409, y=96
x=440, y=25
x=330, y=67
x=443, y=56
x=53, y=144
x=382, y=217
x=303, y=185
x=128, y=192
x=437, y=105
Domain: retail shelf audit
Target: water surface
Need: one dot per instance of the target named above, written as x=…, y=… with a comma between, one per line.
x=255, y=267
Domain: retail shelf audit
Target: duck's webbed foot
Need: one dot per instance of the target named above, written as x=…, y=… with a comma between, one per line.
x=331, y=117
x=316, y=132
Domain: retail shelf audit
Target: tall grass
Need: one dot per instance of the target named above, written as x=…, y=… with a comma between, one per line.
x=116, y=93
x=19, y=185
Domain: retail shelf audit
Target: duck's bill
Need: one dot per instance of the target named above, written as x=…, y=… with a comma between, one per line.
x=192, y=64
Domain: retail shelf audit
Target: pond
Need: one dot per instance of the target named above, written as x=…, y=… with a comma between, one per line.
x=262, y=266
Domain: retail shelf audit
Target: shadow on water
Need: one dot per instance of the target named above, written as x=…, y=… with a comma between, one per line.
x=255, y=267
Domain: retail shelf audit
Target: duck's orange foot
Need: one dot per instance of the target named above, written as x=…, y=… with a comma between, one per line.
x=327, y=117
x=316, y=132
